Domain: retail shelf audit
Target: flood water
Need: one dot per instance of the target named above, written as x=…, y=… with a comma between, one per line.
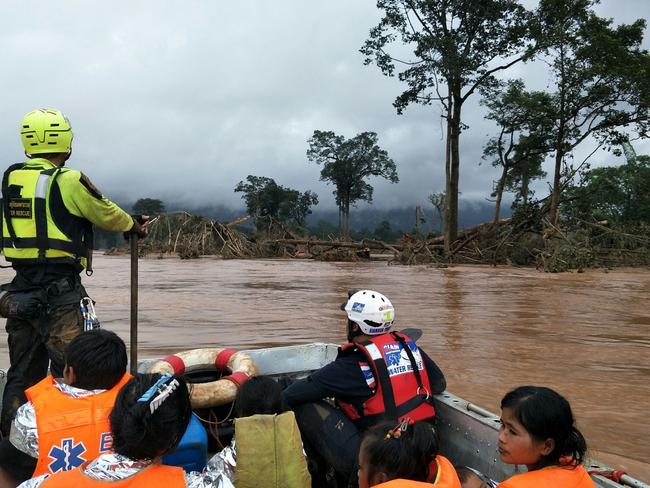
x=585, y=335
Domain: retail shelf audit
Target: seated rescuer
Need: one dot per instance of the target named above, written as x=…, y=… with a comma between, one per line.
x=267, y=439
x=538, y=430
x=378, y=375
x=65, y=422
x=48, y=213
x=150, y=416
x=404, y=456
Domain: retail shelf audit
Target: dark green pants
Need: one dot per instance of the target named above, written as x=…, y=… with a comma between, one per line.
x=36, y=343
x=33, y=344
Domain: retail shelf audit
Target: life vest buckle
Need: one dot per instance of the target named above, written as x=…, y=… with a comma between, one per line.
x=427, y=396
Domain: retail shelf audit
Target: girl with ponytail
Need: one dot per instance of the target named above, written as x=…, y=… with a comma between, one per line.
x=538, y=430
x=404, y=456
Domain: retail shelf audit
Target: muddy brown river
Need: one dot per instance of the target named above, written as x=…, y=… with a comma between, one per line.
x=585, y=335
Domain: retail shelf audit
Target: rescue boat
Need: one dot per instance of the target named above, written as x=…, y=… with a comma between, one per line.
x=468, y=432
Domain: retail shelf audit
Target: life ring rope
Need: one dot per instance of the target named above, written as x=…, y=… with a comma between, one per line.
x=220, y=392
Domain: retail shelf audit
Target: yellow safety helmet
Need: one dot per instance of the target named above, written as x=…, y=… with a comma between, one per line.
x=46, y=130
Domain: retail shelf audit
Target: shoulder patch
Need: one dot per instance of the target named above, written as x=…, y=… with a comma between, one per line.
x=85, y=181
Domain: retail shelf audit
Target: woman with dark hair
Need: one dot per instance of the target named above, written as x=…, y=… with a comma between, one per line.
x=150, y=416
x=404, y=456
x=538, y=430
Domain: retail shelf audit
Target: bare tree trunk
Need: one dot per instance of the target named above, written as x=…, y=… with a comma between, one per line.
x=447, y=220
x=346, y=220
x=451, y=210
x=499, y=193
x=553, y=214
x=524, y=189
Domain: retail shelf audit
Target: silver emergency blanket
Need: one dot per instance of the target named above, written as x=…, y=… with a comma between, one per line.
x=23, y=434
x=114, y=467
x=225, y=461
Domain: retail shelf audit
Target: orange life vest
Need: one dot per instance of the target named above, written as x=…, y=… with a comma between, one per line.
x=154, y=475
x=445, y=473
x=401, y=483
x=70, y=430
x=399, y=381
x=445, y=477
x=556, y=476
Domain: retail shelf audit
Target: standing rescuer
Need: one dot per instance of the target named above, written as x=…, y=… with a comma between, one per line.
x=48, y=213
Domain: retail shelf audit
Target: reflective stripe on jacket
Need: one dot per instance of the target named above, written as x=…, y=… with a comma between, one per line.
x=155, y=475
x=401, y=386
x=70, y=430
x=555, y=476
x=48, y=213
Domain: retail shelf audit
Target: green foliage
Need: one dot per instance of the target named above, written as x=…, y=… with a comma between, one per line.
x=456, y=40
x=620, y=195
x=600, y=78
x=458, y=46
x=347, y=163
x=148, y=206
x=265, y=198
x=525, y=137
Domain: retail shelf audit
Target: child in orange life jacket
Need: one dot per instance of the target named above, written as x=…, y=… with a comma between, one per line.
x=538, y=430
x=150, y=416
x=404, y=456
x=262, y=396
x=49, y=425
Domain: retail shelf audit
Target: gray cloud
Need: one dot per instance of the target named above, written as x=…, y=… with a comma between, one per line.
x=182, y=99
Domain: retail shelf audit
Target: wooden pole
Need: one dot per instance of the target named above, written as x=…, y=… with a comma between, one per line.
x=133, y=241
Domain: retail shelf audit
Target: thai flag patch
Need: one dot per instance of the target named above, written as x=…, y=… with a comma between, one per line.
x=367, y=374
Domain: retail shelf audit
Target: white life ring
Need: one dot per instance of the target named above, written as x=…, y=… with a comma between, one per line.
x=214, y=393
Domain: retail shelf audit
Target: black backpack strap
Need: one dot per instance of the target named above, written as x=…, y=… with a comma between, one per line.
x=390, y=408
x=5, y=201
x=414, y=364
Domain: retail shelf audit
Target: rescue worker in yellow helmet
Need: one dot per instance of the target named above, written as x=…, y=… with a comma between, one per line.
x=48, y=213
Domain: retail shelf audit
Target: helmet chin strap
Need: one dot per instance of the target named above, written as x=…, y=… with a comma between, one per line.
x=351, y=332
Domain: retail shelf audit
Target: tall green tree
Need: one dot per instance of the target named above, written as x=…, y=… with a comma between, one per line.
x=347, y=164
x=265, y=198
x=148, y=206
x=600, y=81
x=458, y=45
x=618, y=194
x=524, y=139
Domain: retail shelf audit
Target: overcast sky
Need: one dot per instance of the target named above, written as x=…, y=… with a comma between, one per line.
x=180, y=100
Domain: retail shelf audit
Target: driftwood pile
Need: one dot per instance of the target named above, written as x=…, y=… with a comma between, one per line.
x=523, y=242
x=191, y=236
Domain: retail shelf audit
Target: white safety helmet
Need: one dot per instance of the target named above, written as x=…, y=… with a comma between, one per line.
x=371, y=311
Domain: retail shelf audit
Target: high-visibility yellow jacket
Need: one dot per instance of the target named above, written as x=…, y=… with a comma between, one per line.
x=48, y=213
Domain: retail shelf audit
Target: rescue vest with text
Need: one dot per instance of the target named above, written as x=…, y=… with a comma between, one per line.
x=154, y=475
x=71, y=430
x=555, y=476
x=36, y=225
x=397, y=377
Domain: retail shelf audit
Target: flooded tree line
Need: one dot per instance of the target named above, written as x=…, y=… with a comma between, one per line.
x=597, y=97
